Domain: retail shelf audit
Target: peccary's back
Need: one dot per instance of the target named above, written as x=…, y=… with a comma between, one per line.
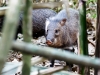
x=72, y=16
x=38, y=21
x=73, y=19
x=39, y=18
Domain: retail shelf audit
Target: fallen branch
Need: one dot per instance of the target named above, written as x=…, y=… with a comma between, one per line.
x=52, y=53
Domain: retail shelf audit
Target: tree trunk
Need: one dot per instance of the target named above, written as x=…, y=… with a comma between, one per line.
x=97, y=51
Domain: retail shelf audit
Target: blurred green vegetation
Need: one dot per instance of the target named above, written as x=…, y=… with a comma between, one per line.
x=91, y=6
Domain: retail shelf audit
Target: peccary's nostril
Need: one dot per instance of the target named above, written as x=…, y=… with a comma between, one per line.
x=52, y=40
x=48, y=42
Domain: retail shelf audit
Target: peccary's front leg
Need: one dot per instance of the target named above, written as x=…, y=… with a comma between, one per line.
x=52, y=63
x=69, y=64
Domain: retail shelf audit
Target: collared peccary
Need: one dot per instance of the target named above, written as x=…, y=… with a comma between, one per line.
x=38, y=21
x=62, y=29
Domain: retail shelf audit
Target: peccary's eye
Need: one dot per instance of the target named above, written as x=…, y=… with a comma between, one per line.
x=47, y=32
x=56, y=31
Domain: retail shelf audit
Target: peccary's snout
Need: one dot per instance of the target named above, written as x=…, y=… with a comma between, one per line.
x=49, y=42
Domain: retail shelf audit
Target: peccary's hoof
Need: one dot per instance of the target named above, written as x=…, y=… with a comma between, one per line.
x=69, y=68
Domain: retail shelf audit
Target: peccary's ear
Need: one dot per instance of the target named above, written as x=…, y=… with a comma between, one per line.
x=63, y=21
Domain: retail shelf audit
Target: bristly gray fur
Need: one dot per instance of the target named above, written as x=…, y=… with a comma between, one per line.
x=68, y=32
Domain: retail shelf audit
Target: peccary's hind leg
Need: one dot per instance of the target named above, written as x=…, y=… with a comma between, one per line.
x=69, y=66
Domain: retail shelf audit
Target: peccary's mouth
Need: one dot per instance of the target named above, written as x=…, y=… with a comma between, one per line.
x=52, y=44
x=56, y=45
x=56, y=42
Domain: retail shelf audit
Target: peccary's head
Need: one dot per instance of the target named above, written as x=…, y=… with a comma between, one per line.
x=61, y=30
x=57, y=33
